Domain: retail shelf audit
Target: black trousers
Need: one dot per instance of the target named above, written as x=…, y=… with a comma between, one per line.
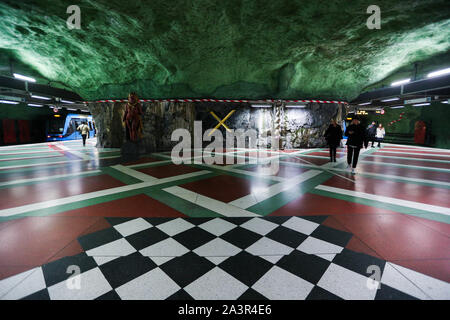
x=84, y=136
x=332, y=153
x=352, y=154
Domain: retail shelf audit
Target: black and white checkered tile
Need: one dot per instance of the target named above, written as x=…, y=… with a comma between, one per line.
x=273, y=258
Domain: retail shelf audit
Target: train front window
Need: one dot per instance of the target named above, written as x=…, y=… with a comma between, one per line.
x=56, y=126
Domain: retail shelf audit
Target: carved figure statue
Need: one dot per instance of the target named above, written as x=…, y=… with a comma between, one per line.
x=133, y=118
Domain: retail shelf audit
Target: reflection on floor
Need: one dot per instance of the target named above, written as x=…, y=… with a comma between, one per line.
x=84, y=223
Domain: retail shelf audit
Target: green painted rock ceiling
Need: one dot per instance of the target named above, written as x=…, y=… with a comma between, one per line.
x=223, y=49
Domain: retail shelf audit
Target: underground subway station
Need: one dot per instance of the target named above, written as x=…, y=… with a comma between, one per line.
x=244, y=151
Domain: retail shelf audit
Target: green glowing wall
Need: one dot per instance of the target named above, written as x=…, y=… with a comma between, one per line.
x=436, y=116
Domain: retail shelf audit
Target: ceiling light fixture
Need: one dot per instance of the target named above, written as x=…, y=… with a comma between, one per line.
x=391, y=99
x=9, y=102
x=421, y=104
x=364, y=104
x=41, y=97
x=438, y=73
x=35, y=105
x=397, y=83
x=261, y=105
x=24, y=78
x=397, y=107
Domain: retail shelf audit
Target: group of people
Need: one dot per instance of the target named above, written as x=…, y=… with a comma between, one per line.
x=357, y=138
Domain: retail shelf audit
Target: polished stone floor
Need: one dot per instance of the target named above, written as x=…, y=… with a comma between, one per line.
x=150, y=229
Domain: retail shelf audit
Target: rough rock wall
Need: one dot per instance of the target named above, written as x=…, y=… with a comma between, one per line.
x=296, y=127
x=160, y=119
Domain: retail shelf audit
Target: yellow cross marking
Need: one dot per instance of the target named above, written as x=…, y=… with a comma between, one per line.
x=221, y=122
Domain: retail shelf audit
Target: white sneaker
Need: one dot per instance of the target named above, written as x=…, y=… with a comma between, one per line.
x=353, y=170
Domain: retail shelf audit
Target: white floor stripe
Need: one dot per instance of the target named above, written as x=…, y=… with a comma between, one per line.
x=266, y=193
x=48, y=178
x=76, y=153
x=394, y=201
x=209, y=203
x=32, y=157
x=52, y=163
x=133, y=173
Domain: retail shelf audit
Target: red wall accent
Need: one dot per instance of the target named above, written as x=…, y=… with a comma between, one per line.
x=24, y=130
x=9, y=131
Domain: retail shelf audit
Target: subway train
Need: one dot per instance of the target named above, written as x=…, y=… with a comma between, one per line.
x=64, y=127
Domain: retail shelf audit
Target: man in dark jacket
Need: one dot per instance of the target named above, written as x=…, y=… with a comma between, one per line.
x=371, y=132
x=356, y=139
x=333, y=135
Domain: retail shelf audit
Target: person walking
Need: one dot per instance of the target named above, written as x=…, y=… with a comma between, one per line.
x=380, y=134
x=371, y=133
x=356, y=138
x=84, y=129
x=333, y=135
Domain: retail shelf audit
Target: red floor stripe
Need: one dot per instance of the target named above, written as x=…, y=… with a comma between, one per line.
x=405, y=172
x=50, y=190
x=411, y=156
x=409, y=162
x=399, y=190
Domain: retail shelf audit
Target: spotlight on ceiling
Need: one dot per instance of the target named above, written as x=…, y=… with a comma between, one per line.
x=261, y=105
x=438, y=73
x=41, y=97
x=391, y=99
x=397, y=107
x=421, y=104
x=9, y=102
x=400, y=82
x=24, y=78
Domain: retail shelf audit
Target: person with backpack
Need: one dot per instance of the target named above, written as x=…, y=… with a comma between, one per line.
x=84, y=129
x=333, y=135
x=380, y=134
x=371, y=133
x=356, y=139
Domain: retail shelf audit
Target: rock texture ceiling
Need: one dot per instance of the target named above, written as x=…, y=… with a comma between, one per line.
x=223, y=49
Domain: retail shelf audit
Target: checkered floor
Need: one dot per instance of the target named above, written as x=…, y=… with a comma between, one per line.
x=273, y=258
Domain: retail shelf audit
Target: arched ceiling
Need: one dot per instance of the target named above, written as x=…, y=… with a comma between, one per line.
x=223, y=49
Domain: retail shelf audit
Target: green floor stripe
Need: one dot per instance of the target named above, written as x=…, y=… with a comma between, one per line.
x=270, y=205
x=382, y=205
x=186, y=207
